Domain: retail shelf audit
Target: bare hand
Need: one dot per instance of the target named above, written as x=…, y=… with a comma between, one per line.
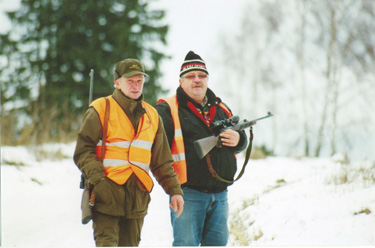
x=230, y=138
x=177, y=204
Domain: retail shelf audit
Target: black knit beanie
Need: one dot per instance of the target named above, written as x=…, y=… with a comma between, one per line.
x=193, y=62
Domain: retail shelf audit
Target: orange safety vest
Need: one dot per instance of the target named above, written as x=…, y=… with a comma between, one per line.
x=178, y=148
x=127, y=151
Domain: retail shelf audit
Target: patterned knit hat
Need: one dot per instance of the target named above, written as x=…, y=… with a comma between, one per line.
x=193, y=62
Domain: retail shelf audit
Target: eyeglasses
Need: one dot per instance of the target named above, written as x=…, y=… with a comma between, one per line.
x=192, y=76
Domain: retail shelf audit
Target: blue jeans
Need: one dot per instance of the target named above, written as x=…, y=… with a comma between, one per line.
x=203, y=221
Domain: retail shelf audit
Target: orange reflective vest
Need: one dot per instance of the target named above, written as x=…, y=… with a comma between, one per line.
x=127, y=151
x=178, y=148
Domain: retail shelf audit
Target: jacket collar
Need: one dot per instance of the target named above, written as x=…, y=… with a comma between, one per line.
x=183, y=98
x=129, y=105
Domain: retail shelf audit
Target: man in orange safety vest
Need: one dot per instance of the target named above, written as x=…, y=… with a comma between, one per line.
x=120, y=140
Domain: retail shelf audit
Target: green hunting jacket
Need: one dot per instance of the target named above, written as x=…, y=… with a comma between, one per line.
x=128, y=200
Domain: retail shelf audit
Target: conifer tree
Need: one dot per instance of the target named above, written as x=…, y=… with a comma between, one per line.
x=52, y=47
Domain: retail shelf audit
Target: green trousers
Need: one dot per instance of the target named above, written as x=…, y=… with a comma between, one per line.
x=116, y=230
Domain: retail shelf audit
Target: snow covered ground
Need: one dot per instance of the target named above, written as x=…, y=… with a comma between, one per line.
x=278, y=202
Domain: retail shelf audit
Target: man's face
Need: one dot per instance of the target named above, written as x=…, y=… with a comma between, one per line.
x=194, y=84
x=132, y=86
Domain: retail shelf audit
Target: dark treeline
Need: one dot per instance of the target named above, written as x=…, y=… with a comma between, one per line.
x=47, y=56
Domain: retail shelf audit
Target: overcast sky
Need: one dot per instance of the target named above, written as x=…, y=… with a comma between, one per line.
x=195, y=25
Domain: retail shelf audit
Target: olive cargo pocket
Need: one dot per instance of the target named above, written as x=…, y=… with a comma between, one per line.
x=109, y=198
x=137, y=200
x=102, y=193
x=141, y=201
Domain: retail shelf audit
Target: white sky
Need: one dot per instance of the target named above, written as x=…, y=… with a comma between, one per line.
x=195, y=25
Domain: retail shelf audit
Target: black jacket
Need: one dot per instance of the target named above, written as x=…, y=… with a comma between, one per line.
x=193, y=128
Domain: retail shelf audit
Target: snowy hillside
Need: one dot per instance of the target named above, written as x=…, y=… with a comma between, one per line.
x=279, y=201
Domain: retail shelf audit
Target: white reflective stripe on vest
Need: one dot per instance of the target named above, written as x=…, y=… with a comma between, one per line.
x=120, y=162
x=142, y=144
x=178, y=157
x=122, y=144
x=114, y=162
x=177, y=133
x=143, y=166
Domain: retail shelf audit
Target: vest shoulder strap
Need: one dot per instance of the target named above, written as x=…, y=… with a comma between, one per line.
x=225, y=109
x=105, y=127
x=173, y=105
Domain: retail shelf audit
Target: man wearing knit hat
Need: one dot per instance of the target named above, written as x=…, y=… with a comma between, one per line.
x=187, y=116
x=121, y=138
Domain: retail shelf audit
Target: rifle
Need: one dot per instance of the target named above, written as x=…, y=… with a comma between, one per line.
x=86, y=202
x=205, y=145
x=91, y=85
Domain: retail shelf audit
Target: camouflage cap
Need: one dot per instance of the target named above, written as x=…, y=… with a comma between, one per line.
x=128, y=68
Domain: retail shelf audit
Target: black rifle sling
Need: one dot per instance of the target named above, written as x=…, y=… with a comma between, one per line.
x=104, y=137
x=247, y=157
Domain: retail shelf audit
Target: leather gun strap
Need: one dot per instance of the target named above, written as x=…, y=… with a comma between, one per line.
x=248, y=153
x=247, y=157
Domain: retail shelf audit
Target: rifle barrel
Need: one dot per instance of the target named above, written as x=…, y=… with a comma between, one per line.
x=91, y=86
x=246, y=124
x=269, y=114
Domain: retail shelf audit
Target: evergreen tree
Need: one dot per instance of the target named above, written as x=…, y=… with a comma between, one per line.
x=52, y=47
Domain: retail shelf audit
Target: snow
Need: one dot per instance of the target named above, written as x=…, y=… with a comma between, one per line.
x=295, y=202
x=279, y=201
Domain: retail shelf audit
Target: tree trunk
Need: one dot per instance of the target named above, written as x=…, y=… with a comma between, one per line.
x=301, y=61
x=330, y=77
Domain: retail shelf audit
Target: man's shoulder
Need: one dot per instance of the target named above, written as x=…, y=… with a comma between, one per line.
x=99, y=102
x=164, y=111
x=150, y=108
x=147, y=105
x=161, y=105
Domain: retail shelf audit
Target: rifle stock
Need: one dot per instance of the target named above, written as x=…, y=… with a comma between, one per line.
x=205, y=145
x=86, y=210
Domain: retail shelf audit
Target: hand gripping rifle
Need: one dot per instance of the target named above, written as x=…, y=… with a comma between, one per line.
x=205, y=145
